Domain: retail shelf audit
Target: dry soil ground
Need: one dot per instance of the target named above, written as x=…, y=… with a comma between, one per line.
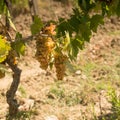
x=82, y=95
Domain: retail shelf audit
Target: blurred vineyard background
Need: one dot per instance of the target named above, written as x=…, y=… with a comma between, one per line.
x=91, y=87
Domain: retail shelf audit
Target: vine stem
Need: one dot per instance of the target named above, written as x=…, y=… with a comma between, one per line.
x=10, y=94
x=9, y=6
x=33, y=4
x=13, y=105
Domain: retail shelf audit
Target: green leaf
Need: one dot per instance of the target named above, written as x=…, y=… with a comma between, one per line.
x=85, y=31
x=62, y=27
x=95, y=21
x=19, y=45
x=75, y=20
x=74, y=48
x=18, y=36
x=86, y=5
x=36, y=26
x=4, y=48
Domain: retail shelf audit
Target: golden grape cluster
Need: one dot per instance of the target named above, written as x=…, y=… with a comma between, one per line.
x=44, y=46
x=60, y=66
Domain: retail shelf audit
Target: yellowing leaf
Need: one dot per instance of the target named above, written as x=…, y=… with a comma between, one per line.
x=66, y=41
x=4, y=48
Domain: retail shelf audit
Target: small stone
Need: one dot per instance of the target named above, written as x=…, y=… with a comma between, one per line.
x=78, y=72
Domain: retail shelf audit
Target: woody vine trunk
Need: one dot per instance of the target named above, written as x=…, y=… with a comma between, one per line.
x=12, y=102
x=13, y=105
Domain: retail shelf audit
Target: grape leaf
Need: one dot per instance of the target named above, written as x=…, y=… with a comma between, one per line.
x=62, y=27
x=4, y=48
x=19, y=45
x=85, y=31
x=70, y=25
x=86, y=5
x=36, y=26
x=18, y=36
x=74, y=48
x=95, y=21
x=74, y=21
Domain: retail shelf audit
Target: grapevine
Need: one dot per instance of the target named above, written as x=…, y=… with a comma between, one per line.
x=57, y=42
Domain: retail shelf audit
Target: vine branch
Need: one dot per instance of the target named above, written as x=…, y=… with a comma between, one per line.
x=9, y=6
x=13, y=105
x=33, y=8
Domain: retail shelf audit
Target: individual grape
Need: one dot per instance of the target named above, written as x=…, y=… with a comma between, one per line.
x=60, y=60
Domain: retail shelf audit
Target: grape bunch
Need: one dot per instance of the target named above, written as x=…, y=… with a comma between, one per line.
x=46, y=49
x=60, y=66
x=44, y=46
